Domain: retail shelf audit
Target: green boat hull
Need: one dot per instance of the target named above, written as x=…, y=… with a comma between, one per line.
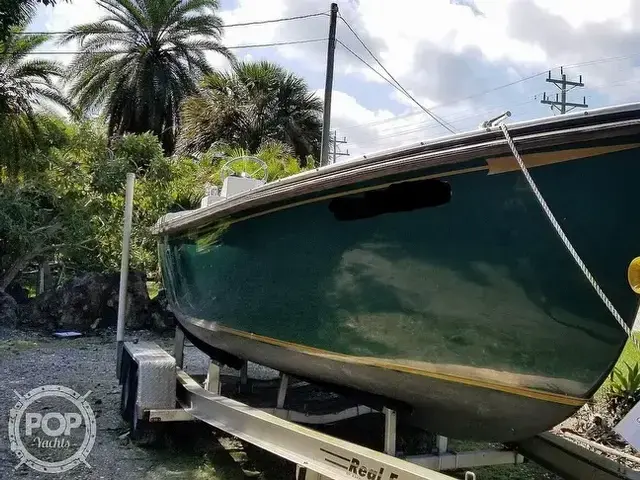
x=469, y=310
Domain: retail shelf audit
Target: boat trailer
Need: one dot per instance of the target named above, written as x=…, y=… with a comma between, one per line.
x=156, y=389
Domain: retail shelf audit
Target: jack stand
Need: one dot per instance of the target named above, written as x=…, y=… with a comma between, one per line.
x=178, y=348
x=243, y=386
x=212, y=382
x=282, y=391
x=389, y=431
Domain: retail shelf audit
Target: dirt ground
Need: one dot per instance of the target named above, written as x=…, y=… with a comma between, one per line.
x=188, y=451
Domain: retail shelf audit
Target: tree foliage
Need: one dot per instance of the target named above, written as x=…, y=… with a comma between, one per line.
x=62, y=179
x=92, y=173
x=72, y=209
x=141, y=60
x=249, y=105
x=27, y=85
x=30, y=226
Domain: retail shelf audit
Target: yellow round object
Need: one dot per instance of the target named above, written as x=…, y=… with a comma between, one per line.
x=633, y=275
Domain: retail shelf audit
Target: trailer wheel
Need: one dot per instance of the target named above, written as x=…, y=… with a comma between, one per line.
x=140, y=430
x=129, y=392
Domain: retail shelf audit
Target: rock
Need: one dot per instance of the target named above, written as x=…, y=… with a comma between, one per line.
x=18, y=292
x=89, y=302
x=8, y=310
x=162, y=318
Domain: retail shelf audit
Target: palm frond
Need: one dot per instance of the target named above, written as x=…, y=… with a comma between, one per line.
x=164, y=43
x=256, y=103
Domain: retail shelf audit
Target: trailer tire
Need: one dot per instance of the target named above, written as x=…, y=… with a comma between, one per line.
x=140, y=430
x=129, y=392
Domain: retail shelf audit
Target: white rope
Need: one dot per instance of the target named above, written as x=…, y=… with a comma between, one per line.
x=566, y=241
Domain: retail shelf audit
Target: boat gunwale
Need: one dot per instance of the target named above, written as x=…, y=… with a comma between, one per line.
x=342, y=175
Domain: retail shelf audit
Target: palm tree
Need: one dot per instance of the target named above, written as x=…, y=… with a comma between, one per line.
x=249, y=105
x=141, y=60
x=27, y=86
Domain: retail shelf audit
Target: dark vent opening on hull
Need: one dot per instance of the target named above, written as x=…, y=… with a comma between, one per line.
x=399, y=197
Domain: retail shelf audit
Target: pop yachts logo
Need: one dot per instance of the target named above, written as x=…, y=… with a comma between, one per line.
x=41, y=436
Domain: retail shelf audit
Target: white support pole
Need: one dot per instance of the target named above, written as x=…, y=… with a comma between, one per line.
x=124, y=267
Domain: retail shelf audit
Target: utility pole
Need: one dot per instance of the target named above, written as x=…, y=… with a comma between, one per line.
x=335, y=151
x=560, y=103
x=328, y=87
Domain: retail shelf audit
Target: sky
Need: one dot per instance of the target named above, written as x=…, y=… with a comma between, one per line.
x=453, y=56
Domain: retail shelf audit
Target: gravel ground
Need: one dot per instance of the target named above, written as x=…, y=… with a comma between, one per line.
x=88, y=363
x=188, y=451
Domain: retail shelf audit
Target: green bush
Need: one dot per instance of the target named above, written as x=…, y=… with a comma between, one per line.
x=624, y=390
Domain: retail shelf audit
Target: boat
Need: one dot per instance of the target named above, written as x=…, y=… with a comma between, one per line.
x=425, y=278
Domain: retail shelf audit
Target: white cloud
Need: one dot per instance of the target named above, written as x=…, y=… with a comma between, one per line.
x=61, y=18
x=580, y=12
x=66, y=15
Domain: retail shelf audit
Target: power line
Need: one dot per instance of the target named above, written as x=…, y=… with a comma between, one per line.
x=276, y=20
x=230, y=25
x=397, y=87
x=539, y=74
x=370, y=66
x=491, y=90
x=602, y=60
x=413, y=114
x=367, y=64
x=382, y=138
x=604, y=88
x=232, y=47
x=453, y=102
x=485, y=109
x=409, y=129
x=506, y=85
x=432, y=115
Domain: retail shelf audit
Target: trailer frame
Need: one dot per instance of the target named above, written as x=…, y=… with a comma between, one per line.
x=156, y=389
